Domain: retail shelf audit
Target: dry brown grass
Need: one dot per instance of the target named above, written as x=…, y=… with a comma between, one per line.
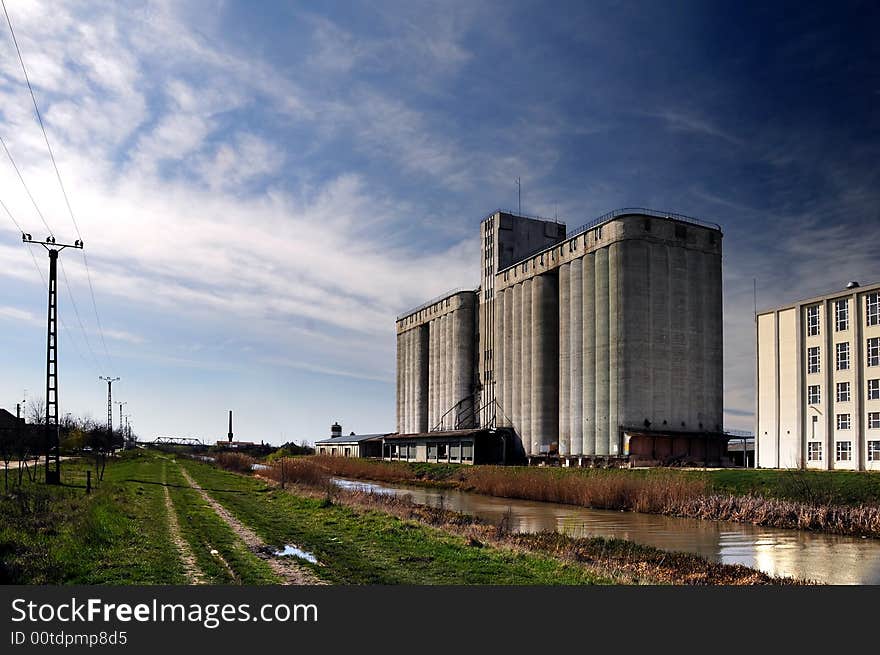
x=297, y=470
x=238, y=462
x=656, y=492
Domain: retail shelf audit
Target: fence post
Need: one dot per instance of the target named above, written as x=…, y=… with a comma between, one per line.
x=88, y=482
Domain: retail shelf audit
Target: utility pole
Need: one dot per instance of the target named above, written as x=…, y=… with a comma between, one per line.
x=50, y=431
x=121, y=403
x=109, y=382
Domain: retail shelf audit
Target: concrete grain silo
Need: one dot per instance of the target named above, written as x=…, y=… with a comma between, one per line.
x=602, y=345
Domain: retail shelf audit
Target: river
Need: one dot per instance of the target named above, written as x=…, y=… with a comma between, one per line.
x=821, y=557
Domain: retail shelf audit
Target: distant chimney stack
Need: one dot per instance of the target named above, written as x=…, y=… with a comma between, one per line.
x=335, y=430
x=229, y=436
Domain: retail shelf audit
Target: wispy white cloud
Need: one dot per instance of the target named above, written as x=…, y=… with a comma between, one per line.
x=682, y=121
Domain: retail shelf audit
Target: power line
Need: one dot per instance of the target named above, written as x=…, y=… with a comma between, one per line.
x=27, y=190
x=64, y=327
x=58, y=176
x=9, y=213
x=76, y=313
x=63, y=272
x=39, y=116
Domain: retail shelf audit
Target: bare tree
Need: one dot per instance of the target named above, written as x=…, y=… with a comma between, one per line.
x=36, y=411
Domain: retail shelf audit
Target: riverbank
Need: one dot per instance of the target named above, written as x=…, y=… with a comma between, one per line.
x=837, y=502
x=624, y=561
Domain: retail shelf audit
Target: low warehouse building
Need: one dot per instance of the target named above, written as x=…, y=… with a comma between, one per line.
x=478, y=446
x=354, y=445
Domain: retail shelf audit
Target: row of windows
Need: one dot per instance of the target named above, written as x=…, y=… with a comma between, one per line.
x=841, y=314
x=843, y=451
x=844, y=393
x=842, y=356
x=844, y=421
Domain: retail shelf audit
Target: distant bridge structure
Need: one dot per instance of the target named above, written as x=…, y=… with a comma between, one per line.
x=177, y=441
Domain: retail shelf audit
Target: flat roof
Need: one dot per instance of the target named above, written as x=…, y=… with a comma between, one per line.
x=873, y=286
x=351, y=438
x=613, y=215
x=436, y=299
x=446, y=434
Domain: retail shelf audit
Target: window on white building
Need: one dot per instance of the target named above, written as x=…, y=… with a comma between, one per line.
x=874, y=451
x=844, y=451
x=841, y=315
x=814, y=394
x=813, y=321
x=874, y=420
x=874, y=389
x=843, y=393
x=842, y=356
x=873, y=351
x=813, y=360
x=872, y=308
x=814, y=451
x=844, y=422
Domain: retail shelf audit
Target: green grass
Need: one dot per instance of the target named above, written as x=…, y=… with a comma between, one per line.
x=116, y=535
x=823, y=487
x=205, y=531
x=370, y=547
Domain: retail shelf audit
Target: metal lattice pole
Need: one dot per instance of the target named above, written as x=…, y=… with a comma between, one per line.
x=50, y=432
x=109, y=382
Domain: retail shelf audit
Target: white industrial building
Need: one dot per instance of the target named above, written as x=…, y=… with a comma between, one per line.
x=818, y=382
x=601, y=344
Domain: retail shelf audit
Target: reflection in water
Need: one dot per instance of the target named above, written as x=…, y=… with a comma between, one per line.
x=290, y=550
x=826, y=558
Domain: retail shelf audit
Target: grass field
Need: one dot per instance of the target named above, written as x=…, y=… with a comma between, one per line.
x=371, y=547
x=116, y=535
x=120, y=534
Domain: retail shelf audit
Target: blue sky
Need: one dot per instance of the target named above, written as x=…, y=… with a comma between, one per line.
x=263, y=186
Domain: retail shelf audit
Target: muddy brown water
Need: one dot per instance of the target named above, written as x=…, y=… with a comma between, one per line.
x=824, y=558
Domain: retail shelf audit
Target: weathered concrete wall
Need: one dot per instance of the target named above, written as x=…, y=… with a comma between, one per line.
x=643, y=330
x=603, y=373
x=526, y=390
x=465, y=342
x=505, y=239
x=576, y=357
x=507, y=353
x=588, y=341
x=564, y=359
x=400, y=378
x=498, y=357
x=435, y=361
x=420, y=402
x=517, y=358
x=545, y=362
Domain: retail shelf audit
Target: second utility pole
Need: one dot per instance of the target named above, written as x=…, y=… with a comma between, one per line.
x=109, y=382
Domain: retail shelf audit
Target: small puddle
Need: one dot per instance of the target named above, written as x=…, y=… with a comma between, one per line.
x=290, y=550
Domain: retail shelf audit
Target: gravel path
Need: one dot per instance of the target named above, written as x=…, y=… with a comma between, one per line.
x=194, y=575
x=287, y=569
